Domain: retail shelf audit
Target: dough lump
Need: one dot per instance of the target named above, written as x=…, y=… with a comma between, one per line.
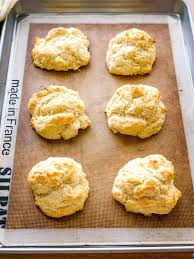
x=62, y=49
x=146, y=185
x=57, y=112
x=59, y=185
x=131, y=52
x=136, y=110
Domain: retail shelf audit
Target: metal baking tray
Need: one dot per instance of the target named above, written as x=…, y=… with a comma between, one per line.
x=175, y=13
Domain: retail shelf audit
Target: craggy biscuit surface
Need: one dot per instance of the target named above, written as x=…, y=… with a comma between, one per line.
x=146, y=185
x=131, y=52
x=136, y=110
x=62, y=49
x=57, y=112
x=59, y=185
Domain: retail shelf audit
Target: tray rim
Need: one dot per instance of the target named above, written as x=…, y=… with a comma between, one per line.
x=91, y=248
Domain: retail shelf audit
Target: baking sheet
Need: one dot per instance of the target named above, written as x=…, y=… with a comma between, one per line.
x=100, y=152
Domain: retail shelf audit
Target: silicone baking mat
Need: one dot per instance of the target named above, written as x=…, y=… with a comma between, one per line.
x=100, y=152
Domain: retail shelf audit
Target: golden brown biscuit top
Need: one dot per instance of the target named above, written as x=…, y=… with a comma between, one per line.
x=62, y=49
x=150, y=176
x=61, y=35
x=59, y=185
x=55, y=99
x=131, y=52
x=57, y=112
x=146, y=185
x=134, y=37
x=142, y=101
x=51, y=174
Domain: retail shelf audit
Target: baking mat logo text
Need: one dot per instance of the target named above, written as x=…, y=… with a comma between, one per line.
x=11, y=120
x=5, y=173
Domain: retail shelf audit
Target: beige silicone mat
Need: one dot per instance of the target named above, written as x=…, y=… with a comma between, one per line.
x=100, y=152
